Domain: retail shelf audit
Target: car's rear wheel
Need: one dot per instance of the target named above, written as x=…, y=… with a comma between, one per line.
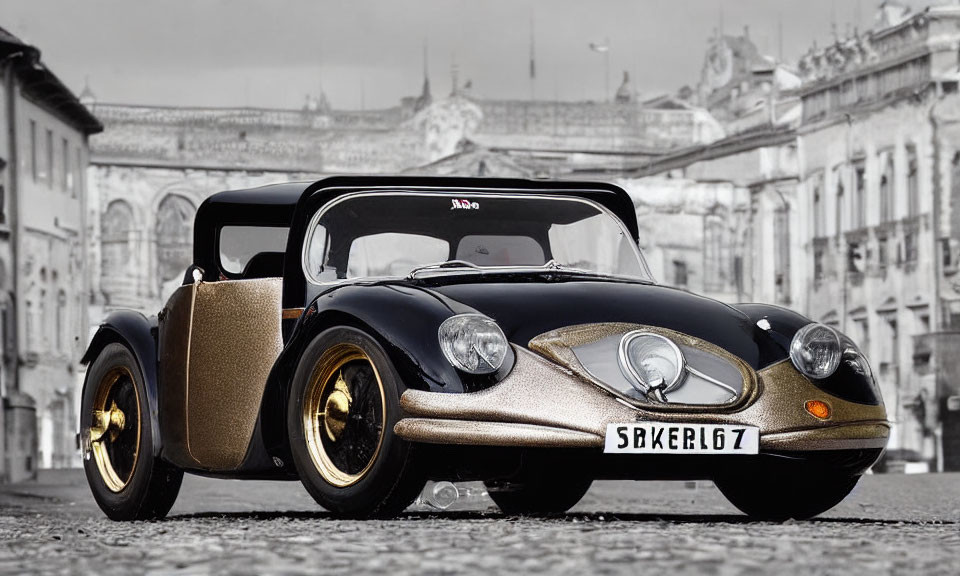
x=127, y=480
x=538, y=492
x=782, y=495
x=343, y=406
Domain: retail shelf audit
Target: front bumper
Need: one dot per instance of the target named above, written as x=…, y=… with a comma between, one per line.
x=543, y=405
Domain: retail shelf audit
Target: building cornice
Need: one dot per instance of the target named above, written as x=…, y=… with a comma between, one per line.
x=745, y=141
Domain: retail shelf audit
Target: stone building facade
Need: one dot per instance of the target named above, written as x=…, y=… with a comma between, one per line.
x=878, y=164
x=43, y=277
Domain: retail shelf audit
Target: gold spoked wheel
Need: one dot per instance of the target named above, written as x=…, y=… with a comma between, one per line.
x=344, y=415
x=115, y=428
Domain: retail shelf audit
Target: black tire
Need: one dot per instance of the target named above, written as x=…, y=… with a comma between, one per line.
x=538, y=492
x=779, y=496
x=378, y=482
x=127, y=480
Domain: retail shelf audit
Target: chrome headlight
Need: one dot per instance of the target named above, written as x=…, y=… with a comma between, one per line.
x=816, y=351
x=651, y=361
x=473, y=343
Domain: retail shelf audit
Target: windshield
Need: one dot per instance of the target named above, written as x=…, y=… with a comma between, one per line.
x=389, y=234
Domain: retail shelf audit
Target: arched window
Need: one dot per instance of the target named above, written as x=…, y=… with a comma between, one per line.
x=116, y=253
x=174, y=237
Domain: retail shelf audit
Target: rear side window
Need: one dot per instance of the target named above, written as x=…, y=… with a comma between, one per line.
x=239, y=244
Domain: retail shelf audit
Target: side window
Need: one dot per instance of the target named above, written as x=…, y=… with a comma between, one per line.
x=317, y=247
x=576, y=244
x=262, y=245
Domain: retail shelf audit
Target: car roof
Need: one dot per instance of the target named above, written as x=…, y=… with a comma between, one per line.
x=275, y=204
x=292, y=203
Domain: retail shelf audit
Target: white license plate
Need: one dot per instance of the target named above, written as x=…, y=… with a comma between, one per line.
x=673, y=438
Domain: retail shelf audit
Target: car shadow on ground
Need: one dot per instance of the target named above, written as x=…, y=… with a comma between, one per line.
x=594, y=517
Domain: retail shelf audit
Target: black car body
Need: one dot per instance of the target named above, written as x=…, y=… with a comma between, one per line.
x=597, y=372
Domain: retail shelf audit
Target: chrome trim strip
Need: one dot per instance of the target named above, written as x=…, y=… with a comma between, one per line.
x=472, y=433
x=712, y=380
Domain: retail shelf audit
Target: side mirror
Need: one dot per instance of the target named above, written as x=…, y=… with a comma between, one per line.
x=193, y=275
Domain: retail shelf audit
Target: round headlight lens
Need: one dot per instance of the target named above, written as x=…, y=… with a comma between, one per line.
x=651, y=361
x=815, y=350
x=473, y=343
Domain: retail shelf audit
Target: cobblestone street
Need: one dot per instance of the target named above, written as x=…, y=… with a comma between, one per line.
x=890, y=524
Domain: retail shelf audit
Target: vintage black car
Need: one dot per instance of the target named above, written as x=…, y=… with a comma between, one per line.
x=366, y=334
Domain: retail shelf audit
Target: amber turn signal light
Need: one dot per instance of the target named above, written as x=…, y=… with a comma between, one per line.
x=819, y=409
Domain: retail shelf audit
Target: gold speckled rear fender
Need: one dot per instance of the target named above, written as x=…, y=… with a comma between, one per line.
x=218, y=343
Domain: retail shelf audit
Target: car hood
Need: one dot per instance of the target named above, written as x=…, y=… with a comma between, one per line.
x=526, y=308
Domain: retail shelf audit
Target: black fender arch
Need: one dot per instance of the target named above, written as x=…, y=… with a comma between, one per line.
x=780, y=324
x=403, y=319
x=139, y=334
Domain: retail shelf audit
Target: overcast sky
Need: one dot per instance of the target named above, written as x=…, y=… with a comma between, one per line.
x=369, y=52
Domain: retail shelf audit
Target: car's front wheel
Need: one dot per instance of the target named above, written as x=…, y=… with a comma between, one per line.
x=779, y=496
x=127, y=480
x=343, y=406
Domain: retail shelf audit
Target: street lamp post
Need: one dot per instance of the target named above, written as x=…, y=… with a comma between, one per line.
x=604, y=49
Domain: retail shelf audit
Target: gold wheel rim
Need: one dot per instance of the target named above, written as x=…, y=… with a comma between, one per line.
x=108, y=423
x=330, y=406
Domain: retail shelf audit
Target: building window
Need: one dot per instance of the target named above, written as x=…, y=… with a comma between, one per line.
x=923, y=320
x=63, y=332
x=859, y=190
x=886, y=191
x=862, y=334
x=66, y=176
x=174, y=237
x=116, y=227
x=78, y=179
x=839, y=202
x=819, y=253
x=910, y=244
x=49, y=157
x=715, y=265
x=913, y=191
x=855, y=263
x=3, y=197
x=679, y=273
x=818, y=211
x=883, y=252
x=43, y=330
x=892, y=353
x=34, y=169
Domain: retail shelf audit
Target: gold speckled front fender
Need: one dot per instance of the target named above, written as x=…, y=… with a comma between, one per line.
x=541, y=404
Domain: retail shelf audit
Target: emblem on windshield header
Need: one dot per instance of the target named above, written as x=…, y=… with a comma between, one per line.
x=464, y=205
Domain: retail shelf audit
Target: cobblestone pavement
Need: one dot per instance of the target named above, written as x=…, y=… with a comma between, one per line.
x=891, y=524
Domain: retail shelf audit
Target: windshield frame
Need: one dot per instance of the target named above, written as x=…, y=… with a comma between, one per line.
x=507, y=194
